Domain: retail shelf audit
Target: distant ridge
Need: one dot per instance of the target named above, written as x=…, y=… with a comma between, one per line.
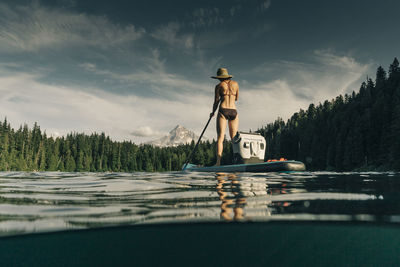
x=177, y=136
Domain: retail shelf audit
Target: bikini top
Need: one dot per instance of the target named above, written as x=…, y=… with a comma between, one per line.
x=229, y=91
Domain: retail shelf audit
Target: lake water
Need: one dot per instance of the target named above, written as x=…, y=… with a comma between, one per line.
x=52, y=201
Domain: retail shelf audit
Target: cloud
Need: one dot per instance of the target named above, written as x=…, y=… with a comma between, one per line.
x=170, y=34
x=145, y=131
x=136, y=92
x=158, y=81
x=324, y=76
x=78, y=50
x=34, y=27
x=62, y=109
x=260, y=104
x=206, y=17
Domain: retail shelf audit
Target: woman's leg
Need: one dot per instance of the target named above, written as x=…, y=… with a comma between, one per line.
x=233, y=126
x=221, y=126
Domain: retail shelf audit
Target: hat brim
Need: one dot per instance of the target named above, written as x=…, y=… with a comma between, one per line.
x=222, y=76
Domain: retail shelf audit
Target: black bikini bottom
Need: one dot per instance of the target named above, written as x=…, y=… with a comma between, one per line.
x=228, y=113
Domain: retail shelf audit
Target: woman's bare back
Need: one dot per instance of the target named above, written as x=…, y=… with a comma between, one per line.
x=228, y=90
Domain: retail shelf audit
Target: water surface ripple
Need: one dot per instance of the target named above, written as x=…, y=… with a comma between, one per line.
x=50, y=201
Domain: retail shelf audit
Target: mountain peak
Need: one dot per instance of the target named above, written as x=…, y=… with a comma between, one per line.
x=178, y=127
x=179, y=135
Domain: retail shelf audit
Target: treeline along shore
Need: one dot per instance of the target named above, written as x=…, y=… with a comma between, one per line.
x=28, y=149
x=360, y=131
x=32, y=150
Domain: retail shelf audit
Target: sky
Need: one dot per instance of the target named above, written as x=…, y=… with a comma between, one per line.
x=136, y=69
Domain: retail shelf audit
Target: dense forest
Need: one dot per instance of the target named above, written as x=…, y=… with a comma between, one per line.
x=357, y=131
x=32, y=150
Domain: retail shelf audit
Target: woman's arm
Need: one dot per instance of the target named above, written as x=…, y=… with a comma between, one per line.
x=216, y=100
x=237, y=92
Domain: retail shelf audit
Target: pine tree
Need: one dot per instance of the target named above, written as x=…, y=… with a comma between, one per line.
x=394, y=69
x=380, y=77
x=70, y=164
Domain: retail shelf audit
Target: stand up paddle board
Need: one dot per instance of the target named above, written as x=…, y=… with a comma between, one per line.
x=274, y=166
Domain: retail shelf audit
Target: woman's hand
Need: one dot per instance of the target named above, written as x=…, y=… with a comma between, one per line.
x=211, y=114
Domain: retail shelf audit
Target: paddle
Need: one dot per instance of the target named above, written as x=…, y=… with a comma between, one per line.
x=197, y=144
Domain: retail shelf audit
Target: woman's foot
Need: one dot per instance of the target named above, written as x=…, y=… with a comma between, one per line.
x=218, y=163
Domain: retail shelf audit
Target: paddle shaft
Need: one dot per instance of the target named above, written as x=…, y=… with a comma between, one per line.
x=197, y=144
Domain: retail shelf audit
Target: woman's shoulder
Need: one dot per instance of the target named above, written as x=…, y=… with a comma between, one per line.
x=235, y=84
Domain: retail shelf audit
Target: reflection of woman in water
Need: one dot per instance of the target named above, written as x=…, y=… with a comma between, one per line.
x=241, y=191
x=228, y=92
x=238, y=200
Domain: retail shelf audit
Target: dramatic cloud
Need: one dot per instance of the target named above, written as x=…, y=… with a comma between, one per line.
x=324, y=76
x=33, y=27
x=74, y=71
x=159, y=83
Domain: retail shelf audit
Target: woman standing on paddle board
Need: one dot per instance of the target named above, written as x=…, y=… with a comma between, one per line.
x=227, y=91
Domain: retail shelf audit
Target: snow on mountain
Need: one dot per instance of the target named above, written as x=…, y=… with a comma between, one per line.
x=177, y=136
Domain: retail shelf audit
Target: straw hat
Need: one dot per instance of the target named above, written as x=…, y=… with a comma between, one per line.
x=222, y=73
